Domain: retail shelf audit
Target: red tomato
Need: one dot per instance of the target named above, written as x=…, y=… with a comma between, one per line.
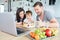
x=48, y=32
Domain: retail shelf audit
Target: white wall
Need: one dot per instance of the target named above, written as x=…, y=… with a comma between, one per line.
x=57, y=8
x=17, y=4
x=1, y=8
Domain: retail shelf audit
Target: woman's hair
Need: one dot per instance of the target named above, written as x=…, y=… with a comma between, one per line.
x=17, y=13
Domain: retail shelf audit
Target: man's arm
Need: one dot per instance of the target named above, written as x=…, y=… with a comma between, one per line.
x=53, y=20
x=53, y=23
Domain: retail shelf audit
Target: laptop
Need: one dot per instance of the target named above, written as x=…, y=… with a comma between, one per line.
x=8, y=25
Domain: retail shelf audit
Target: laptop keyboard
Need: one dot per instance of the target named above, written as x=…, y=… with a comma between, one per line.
x=20, y=30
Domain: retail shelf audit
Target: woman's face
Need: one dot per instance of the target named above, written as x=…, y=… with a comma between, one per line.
x=21, y=14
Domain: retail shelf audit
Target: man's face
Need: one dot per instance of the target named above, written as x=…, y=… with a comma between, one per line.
x=38, y=9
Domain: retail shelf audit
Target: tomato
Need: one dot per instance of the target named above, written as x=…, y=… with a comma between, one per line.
x=48, y=32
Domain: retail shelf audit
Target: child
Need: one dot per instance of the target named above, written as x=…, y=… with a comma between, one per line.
x=29, y=20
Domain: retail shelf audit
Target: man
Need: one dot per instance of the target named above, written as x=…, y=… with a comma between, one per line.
x=44, y=15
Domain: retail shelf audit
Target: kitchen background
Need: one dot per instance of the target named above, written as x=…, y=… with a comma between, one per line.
x=12, y=5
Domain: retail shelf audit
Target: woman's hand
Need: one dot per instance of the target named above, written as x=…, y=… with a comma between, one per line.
x=18, y=24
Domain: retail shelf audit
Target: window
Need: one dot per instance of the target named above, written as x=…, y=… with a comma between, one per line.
x=52, y=2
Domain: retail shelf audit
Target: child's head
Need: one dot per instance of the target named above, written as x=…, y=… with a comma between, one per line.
x=28, y=14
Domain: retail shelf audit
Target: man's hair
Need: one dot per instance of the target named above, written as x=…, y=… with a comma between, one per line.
x=37, y=3
x=28, y=12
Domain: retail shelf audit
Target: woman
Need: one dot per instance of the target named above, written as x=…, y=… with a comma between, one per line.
x=20, y=16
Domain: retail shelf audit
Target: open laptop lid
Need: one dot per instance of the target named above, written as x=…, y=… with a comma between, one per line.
x=7, y=23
